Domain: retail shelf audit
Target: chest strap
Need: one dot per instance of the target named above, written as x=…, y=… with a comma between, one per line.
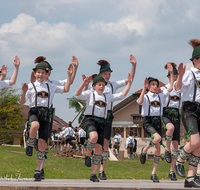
x=94, y=104
x=196, y=84
x=36, y=94
x=150, y=104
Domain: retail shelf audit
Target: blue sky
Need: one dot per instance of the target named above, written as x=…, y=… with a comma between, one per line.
x=154, y=31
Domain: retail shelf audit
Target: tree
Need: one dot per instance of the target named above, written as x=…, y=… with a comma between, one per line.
x=73, y=103
x=11, y=114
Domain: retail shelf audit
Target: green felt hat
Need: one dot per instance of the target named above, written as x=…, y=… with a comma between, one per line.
x=41, y=65
x=153, y=79
x=49, y=66
x=195, y=53
x=104, y=67
x=175, y=71
x=99, y=78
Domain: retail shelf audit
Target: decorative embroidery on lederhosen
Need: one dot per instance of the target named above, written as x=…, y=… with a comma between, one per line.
x=155, y=104
x=43, y=94
x=175, y=98
x=100, y=103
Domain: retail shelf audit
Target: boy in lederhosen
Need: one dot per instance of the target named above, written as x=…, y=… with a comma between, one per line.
x=81, y=139
x=188, y=84
x=130, y=144
x=171, y=123
x=40, y=95
x=52, y=110
x=95, y=115
x=117, y=142
x=151, y=113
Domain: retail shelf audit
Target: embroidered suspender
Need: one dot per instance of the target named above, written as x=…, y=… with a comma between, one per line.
x=36, y=94
x=94, y=104
x=150, y=104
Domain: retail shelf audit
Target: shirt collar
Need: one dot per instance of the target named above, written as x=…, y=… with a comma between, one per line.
x=39, y=83
x=151, y=93
x=194, y=69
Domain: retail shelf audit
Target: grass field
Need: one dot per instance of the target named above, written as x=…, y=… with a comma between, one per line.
x=71, y=168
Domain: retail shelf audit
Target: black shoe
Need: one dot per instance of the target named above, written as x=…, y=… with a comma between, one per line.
x=142, y=157
x=154, y=178
x=172, y=175
x=102, y=175
x=94, y=178
x=42, y=173
x=168, y=157
x=197, y=178
x=193, y=183
x=37, y=177
x=180, y=171
x=88, y=161
x=29, y=151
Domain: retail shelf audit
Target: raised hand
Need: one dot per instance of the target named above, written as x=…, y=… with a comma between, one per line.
x=159, y=90
x=3, y=71
x=130, y=78
x=33, y=79
x=74, y=61
x=169, y=67
x=146, y=83
x=181, y=69
x=16, y=61
x=24, y=87
x=70, y=69
x=132, y=59
x=83, y=77
x=87, y=80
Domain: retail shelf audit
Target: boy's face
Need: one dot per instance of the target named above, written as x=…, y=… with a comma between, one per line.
x=196, y=63
x=99, y=87
x=175, y=77
x=40, y=75
x=106, y=75
x=153, y=86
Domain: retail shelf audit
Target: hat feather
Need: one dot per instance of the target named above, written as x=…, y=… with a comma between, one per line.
x=173, y=65
x=194, y=42
x=39, y=59
x=102, y=61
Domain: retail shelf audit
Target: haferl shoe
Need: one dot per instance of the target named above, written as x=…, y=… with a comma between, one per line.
x=197, y=177
x=94, y=178
x=168, y=156
x=29, y=151
x=180, y=171
x=37, y=177
x=142, y=157
x=42, y=173
x=172, y=175
x=193, y=183
x=154, y=178
x=88, y=161
x=102, y=175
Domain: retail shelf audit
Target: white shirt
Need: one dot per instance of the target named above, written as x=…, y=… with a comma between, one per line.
x=98, y=111
x=4, y=84
x=187, y=88
x=154, y=111
x=41, y=86
x=82, y=133
x=172, y=104
x=130, y=140
x=68, y=131
x=117, y=138
x=108, y=89
x=58, y=82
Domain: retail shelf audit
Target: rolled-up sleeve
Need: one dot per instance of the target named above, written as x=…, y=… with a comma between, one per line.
x=4, y=84
x=84, y=95
x=115, y=97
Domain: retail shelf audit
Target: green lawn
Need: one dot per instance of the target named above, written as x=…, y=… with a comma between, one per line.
x=72, y=168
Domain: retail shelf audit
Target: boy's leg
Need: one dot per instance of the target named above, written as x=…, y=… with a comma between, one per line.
x=32, y=133
x=156, y=162
x=168, y=138
x=174, y=154
x=43, y=161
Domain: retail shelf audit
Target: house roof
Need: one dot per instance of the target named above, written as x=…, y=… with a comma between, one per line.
x=131, y=98
x=57, y=123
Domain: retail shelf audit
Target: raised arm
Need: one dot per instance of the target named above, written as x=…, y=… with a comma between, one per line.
x=32, y=79
x=141, y=98
x=181, y=71
x=133, y=68
x=86, y=81
x=69, y=78
x=128, y=86
x=16, y=63
x=75, y=64
x=3, y=72
x=24, y=89
x=171, y=79
x=86, y=86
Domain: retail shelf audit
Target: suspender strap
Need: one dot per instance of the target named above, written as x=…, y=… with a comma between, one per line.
x=35, y=94
x=112, y=93
x=150, y=104
x=169, y=97
x=160, y=104
x=195, y=86
x=94, y=104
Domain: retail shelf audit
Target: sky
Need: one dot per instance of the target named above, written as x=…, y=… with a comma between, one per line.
x=154, y=31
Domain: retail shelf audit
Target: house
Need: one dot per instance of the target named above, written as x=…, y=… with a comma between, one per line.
x=127, y=116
